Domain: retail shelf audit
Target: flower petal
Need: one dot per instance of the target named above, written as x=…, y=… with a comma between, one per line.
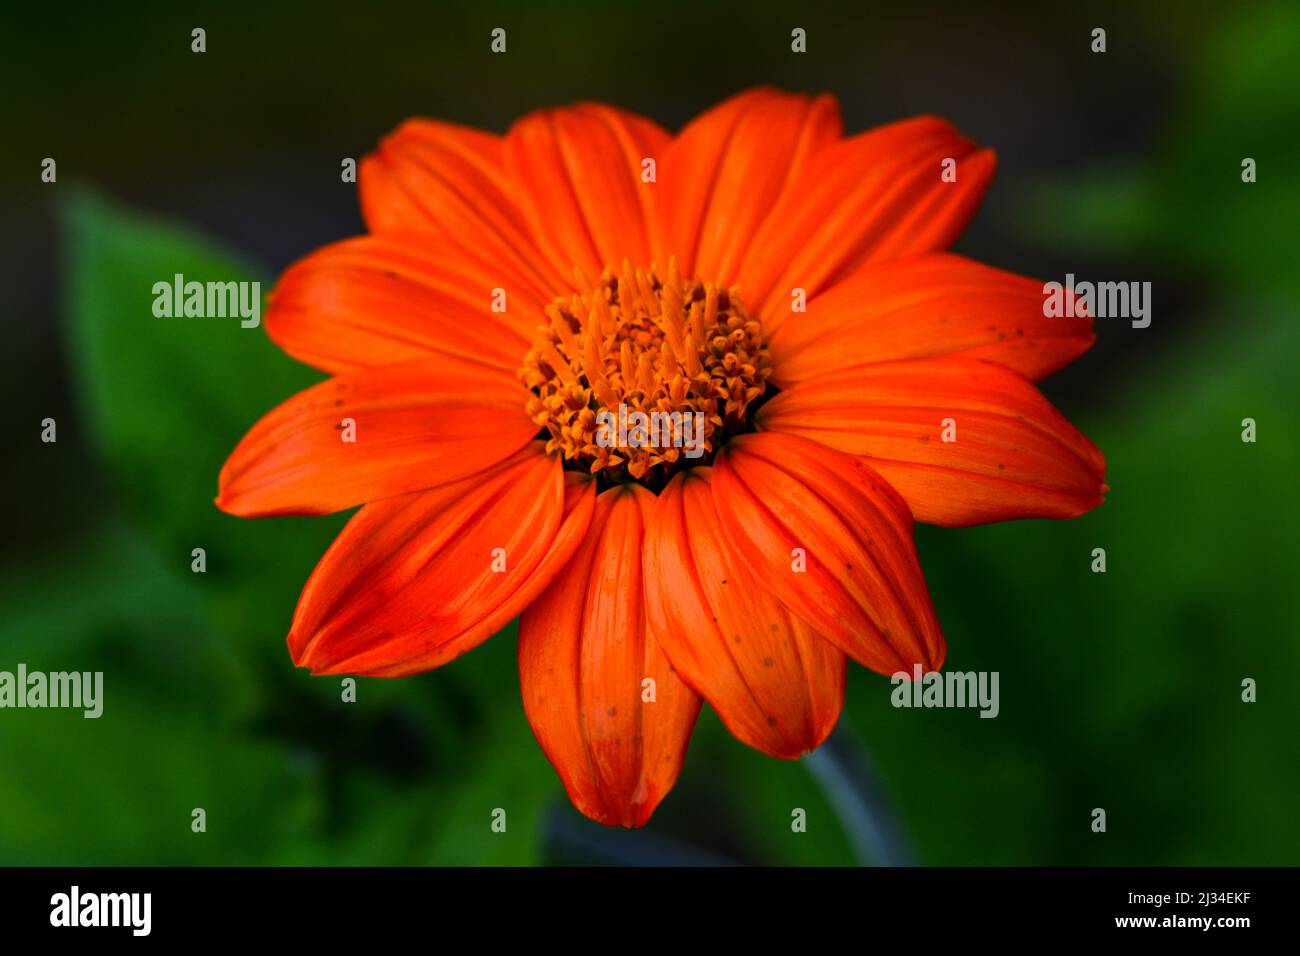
x=415, y=424
x=776, y=683
x=878, y=195
x=922, y=306
x=450, y=182
x=377, y=300
x=414, y=582
x=724, y=172
x=1015, y=456
x=577, y=175
x=585, y=657
x=862, y=588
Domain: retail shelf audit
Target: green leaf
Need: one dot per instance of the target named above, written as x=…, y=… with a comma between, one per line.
x=405, y=775
x=167, y=399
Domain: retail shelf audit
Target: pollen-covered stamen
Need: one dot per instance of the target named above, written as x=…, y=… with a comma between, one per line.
x=684, y=354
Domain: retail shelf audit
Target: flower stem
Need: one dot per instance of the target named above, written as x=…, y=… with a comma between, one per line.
x=845, y=771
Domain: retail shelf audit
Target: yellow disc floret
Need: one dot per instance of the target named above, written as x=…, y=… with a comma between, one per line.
x=636, y=375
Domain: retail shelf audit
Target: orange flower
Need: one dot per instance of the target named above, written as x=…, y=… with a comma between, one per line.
x=523, y=285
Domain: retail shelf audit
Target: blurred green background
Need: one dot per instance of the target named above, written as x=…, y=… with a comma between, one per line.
x=1119, y=691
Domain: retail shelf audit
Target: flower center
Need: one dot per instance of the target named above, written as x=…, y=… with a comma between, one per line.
x=638, y=376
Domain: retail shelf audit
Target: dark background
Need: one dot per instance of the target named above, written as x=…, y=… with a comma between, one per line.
x=1119, y=691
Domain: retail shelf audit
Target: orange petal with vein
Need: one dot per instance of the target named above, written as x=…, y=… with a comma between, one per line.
x=587, y=664
x=416, y=425
x=1015, y=456
x=776, y=683
x=875, y=196
x=377, y=300
x=577, y=175
x=862, y=585
x=727, y=169
x=450, y=182
x=414, y=582
x=924, y=306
